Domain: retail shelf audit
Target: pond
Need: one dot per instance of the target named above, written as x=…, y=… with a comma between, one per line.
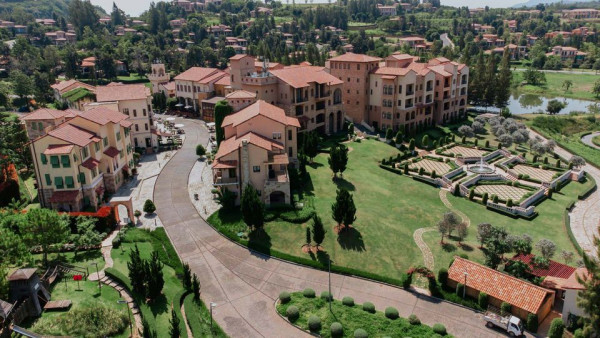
x=532, y=104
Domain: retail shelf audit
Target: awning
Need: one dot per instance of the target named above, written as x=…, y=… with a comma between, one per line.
x=56, y=149
x=64, y=196
x=111, y=152
x=90, y=163
x=179, y=105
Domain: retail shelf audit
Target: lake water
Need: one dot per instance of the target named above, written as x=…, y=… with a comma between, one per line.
x=532, y=104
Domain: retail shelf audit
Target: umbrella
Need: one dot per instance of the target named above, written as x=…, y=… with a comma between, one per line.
x=179, y=105
x=188, y=107
x=170, y=119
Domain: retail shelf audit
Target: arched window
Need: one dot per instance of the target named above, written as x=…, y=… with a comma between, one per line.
x=337, y=96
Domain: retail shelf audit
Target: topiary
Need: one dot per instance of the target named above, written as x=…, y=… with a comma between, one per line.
x=487, y=143
x=509, y=203
x=557, y=327
x=360, y=333
x=391, y=312
x=337, y=330
x=314, y=323
x=484, y=199
x=472, y=194
x=439, y=329
x=348, y=301
x=326, y=296
x=149, y=207
x=483, y=300
x=292, y=313
x=284, y=297
x=308, y=293
x=495, y=198
x=443, y=276
x=369, y=307
x=532, y=322
x=421, y=171
x=414, y=320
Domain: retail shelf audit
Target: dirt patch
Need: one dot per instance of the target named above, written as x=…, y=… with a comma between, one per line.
x=310, y=248
x=338, y=228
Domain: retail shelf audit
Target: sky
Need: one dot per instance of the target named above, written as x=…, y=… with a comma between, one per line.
x=136, y=7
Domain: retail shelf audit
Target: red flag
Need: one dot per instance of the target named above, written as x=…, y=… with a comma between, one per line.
x=77, y=277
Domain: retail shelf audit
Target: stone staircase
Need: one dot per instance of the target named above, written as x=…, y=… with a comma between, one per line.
x=135, y=310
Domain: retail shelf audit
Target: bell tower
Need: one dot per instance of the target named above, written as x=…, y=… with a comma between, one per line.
x=158, y=75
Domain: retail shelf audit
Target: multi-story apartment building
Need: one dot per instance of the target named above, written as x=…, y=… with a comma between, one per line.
x=78, y=160
x=309, y=93
x=581, y=14
x=135, y=101
x=401, y=93
x=568, y=53
x=196, y=84
x=260, y=141
x=240, y=99
x=41, y=121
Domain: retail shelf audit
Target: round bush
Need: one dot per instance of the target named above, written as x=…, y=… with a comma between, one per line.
x=369, y=307
x=360, y=333
x=391, y=312
x=314, y=323
x=292, y=313
x=284, y=297
x=348, y=301
x=414, y=320
x=326, y=295
x=309, y=293
x=439, y=329
x=336, y=329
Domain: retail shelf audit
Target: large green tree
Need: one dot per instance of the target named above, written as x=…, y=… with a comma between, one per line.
x=83, y=14
x=253, y=209
x=503, y=80
x=222, y=109
x=588, y=299
x=154, y=276
x=45, y=228
x=338, y=159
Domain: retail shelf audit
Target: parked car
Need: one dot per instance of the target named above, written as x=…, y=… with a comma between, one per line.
x=511, y=324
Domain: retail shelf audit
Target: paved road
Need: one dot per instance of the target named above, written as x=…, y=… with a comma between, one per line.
x=585, y=217
x=587, y=139
x=446, y=41
x=245, y=284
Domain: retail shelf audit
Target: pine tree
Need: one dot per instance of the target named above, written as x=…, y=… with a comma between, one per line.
x=308, y=239
x=350, y=214
x=338, y=208
x=504, y=80
x=136, y=271
x=196, y=287
x=174, y=330
x=318, y=230
x=490, y=82
x=187, y=277
x=222, y=109
x=155, y=279
x=477, y=86
x=253, y=209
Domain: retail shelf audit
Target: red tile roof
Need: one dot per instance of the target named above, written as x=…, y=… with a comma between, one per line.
x=56, y=149
x=65, y=86
x=392, y=71
x=122, y=92
x=90, y=163
x=103, y=115
x=299, y=77
x=224, y=81
x=72, y=134
x=241, y=94
x=111, y=151
x=198, y=74
x=225, y=165
x=233, y=143
x=506, y=288
x=49, y=114
x=351, y=57
x=64, y=196
x=555, y=269
x=567, y=283
x=263, y=108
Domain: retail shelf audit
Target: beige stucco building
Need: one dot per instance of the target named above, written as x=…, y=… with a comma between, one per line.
x=79, y=159
x=196, y=84
x=260, y=141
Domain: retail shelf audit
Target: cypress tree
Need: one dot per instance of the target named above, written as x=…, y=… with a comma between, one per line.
x=174, y=330
x=155, y=278
x=317, y=230
x=187, y=277
x=253, y=209
x=504, y=79
x=136, y=271
x=196, y=287
x=490, y=82
x=477, y=86
x=222, y=109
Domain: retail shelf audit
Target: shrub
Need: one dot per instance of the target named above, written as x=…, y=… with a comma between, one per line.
x=391, y=312
x=414, y=320
x=309, y=293
x=443, y=276
x=433, y=174
x=292, y=313
x=326, y=296
x=369, y=307
x=460, y=288
x=360, y=333
x=200, y=150
x=348, y=301
x=314, y=323
x=421, y=171
x=483, y=300
x=532, y=322
x=336, y=329
x=406, y=281
x=284, y=297
x=149, y=207
x=484, y=199
x=578, y=333
x=557, y=327
x=472, y=194
x=439, y=329
x=505, y=308
x=509, y=203
x=495, y=198
x=487, y=143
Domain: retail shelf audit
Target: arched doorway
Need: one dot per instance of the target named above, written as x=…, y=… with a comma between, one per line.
x=330, y=124
x=115, y=202
x=277, y=197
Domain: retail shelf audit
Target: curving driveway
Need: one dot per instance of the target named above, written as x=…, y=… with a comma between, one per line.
x=245, y=284
x=587, y=139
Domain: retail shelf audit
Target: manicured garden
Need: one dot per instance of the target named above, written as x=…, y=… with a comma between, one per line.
x=347, y=319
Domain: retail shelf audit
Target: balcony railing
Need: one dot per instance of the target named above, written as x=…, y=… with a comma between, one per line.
x=301, y=99
x=325, y=94
x=279, y=176
x=225, y=180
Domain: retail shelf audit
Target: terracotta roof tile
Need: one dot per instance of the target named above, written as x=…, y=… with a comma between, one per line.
x=351, y=57
x=567, y=283
x=224, y=165
x=49, y=114
x=392, y=71
x=56, y=149
x=299, y=77
x=555, y=269
x=197, y=74
x=72, y=134
x=122, y=92
x=22, y=274
x=103, y=115
x=65, y=86
x=263, y=108
x=499, y=285
x=233, y=143
x=224, y=81
x=111, y=151
x=241, y=94
x=90, y=163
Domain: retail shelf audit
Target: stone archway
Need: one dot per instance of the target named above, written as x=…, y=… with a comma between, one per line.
x=115, y=202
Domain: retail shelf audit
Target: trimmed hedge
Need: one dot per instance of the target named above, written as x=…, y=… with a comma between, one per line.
x=337, y=330
x=292, y=313
x=348, y=301
x=532, y=322
x=284, y=297
x=439, y=329
x=314, y=323
x=391, y=312
x=308, y=293
x=483, y=300
x=369, y=307
x=326, y=295
x=505, y=308
x=360, y=333
x=414, y=320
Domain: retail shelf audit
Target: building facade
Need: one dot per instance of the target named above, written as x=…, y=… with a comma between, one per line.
x=196, y=84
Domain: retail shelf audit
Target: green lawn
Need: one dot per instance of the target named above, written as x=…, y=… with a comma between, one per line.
x=581, y=89
x=133, y=78
x=351, y=318
x=596, y=140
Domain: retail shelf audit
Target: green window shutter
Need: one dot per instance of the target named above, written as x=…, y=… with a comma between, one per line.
x=48, y=180
x=82, y=178
x=118, y=136
x=66, y=161
x=34, y=126
x=40, y=126
x=105, y=141
x=69, y=181
x=54, y=161
x=44, y=158
x=97, y=146
x=58, y=181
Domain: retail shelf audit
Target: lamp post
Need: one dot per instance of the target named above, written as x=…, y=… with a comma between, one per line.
x=98, y=275
x=211, y=315
x=121, y=301
x=465, y=286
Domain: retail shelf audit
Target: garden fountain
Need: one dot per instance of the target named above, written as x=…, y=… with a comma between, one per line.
x=481, y=168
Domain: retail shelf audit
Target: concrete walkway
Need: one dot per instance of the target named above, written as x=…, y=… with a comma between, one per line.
x=585, y=217
x=587, y=139
x=244, y=284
